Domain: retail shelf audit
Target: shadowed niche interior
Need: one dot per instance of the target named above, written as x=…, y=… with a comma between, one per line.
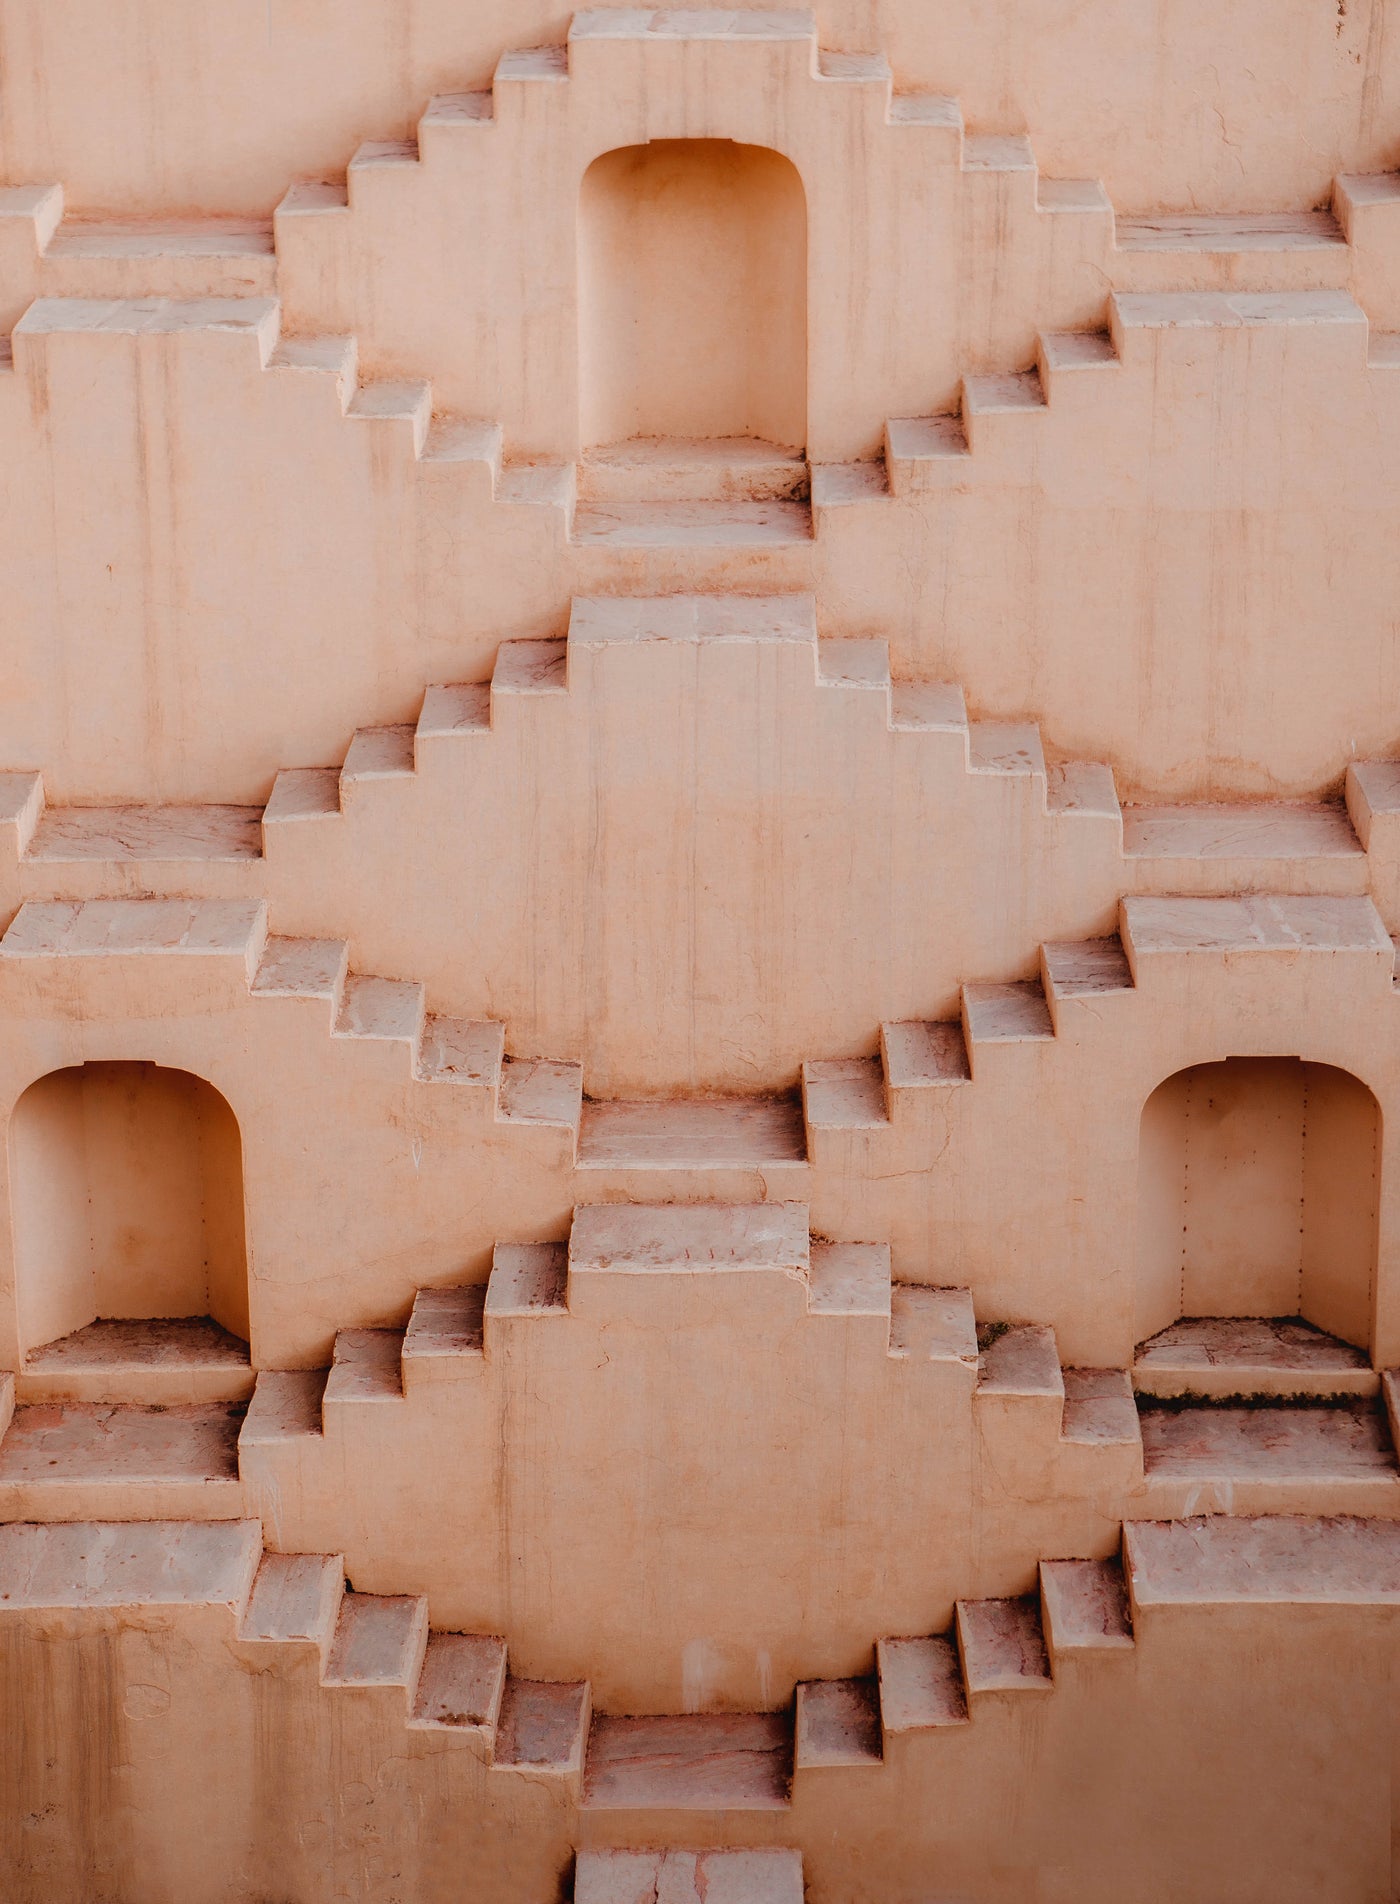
x=127, y=1199
x=693, y=295
x=1258, y=1186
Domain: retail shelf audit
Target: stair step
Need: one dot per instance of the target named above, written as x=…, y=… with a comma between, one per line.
x=296, y=1597
x=286, y=1406
x=72, y=834
x=1002, y=1646
x=462, y=1051
x=531, y=667
x=1007, y=1014
x=1249, y=231
x=387, y=1008
x=1005, y=747
x=849, y=1279
x=684, y=525
x=445, y=1324
x=191, y=1359
x=1087, y=968
x=1083, y=787
x=1279, y=1559
x=1253, y=923
x=696, y=1134
x=601, y=620
x=380, y=1639
x=461, y=1685
x=713, y=469
x=463, y=709
x=997, y=152
x=1250, y=1355
x=303, y=793
x=1345, y=1442
x=921, y=1684
x=933, y=1325
x=1232, y=310
x=543, y=1726
x=1020, y=1361
x=162, y=238
x=1002, y=394
x=760, y=1876
x=838, y=1724
x=1099, y=1407
x=1085, y=1606
x=1259, y=832
x=639, y=1238
x=89, y=928
x=367, y=1366
x=528, y=1279
x=185, y=1458
x=540, y=1091
x=928, y=707
x=128, y=1563
x=379, y=753
x=844, y=1094
x=723, y=1761
x=918, y=1053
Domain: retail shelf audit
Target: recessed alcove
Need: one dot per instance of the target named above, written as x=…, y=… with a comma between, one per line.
x=1258, y=1183
x=692, y=258
x=127, y=1202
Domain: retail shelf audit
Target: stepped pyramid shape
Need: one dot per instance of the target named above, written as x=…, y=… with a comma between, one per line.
x=699, y=954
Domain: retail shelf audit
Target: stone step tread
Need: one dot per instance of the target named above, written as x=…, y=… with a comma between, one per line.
x=1085, y=1606
x=301, y=968
x=638, y=1238
x=213, y=237
x=933, y=1325
x=928, y=707
x=1099, y=1408
x=462, y=1051
x=377, y=753
x=1227, y=1355
x=462, y=1683
x=1021, y=1361
x=367, y=1366
x=1087, y=968
x=379, y=1640
x=128, y=1563
x=286, y=1406
x=405, y=401
x=457, y=708
x=728, y=525
x=1002, y=1645
x=86, y=928
x=919, y=1053
x=838, y=1723
x=733, y=1761
x=1234, y=310
x=600, y=620
x=921, y=1683
x=844, y=1094
x=1254, y=923
x=68, y=1443
x=1344, y=1442
x=694, y=1134
x=303, y=793
x=1002, y=394
x=1241, y=831
x=186, y=1342
x=158, y=316
x=1007, y=1014
x=698, y=23
x=1230, y=231
x=445, y=1322
x=849, y=1279
x=372, y=1007
x=540, y=1091
x=531, y=667
x=766, y=1875
x=1297, y=1559
x=543, y=1726
x=1005, y=747
x=295, y=1598
x=125, y=833
x=1082, y=787
x=528, y=1279
x=708, y=469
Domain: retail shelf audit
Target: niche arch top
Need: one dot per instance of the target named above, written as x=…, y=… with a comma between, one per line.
x=692, y=272
x=126, y=1188
x=1259, y=1196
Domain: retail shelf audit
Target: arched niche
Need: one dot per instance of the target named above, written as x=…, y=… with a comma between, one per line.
x=692, y=294
x=127, y=1200
x=1258, y=1195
